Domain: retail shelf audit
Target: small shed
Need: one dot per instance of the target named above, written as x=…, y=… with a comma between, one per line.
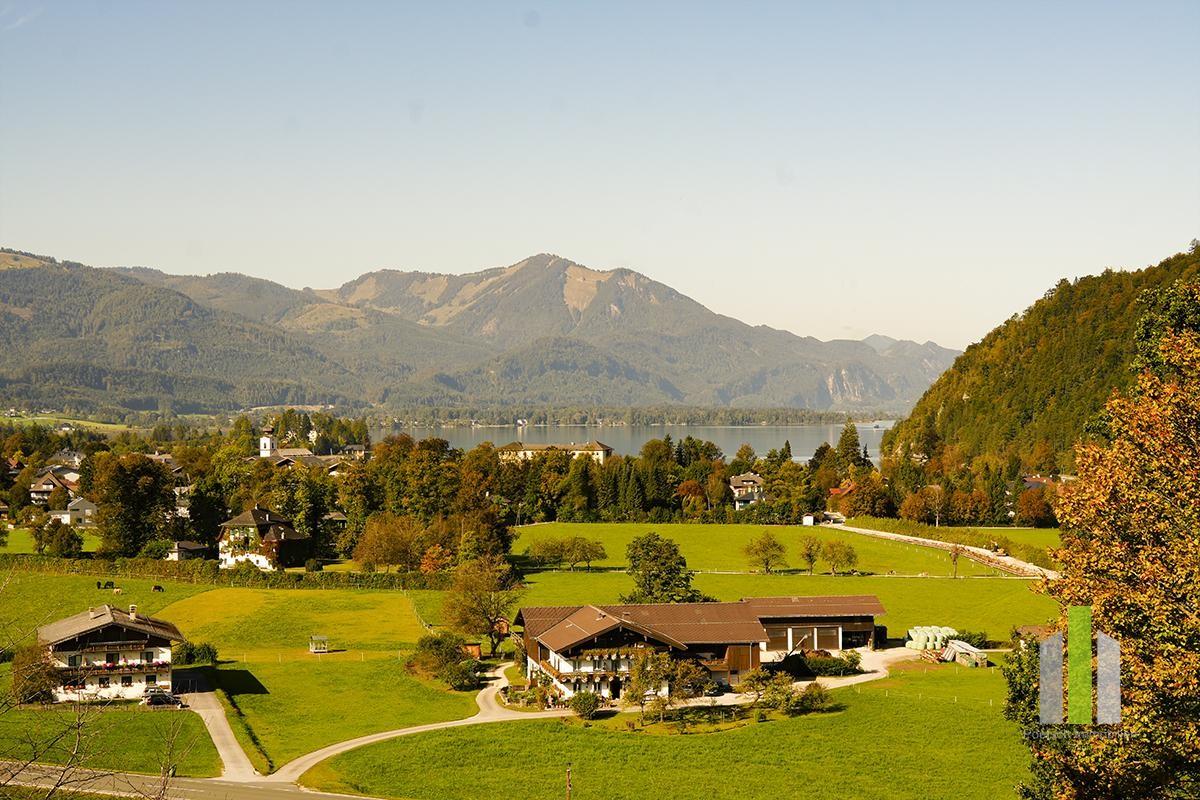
x=965, y=654
x=318, y=644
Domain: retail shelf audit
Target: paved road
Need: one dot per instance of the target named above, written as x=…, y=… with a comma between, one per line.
x=490, y=710
x=1013, y=565
x=239, y=781
x=235, y=765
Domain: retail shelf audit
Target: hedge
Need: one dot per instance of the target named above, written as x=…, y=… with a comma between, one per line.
x=205, y=571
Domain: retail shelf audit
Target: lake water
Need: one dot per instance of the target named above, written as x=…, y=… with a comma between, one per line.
x=628, y=439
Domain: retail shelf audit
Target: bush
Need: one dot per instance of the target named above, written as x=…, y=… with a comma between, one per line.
x=461, y=677
x=194, y=653
x=437, y=651
x=831, y=666
x=585, y=704
x=156, y=549
x=313, y=565
x=815, y=697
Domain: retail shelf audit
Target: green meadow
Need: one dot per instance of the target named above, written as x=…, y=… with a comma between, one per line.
x=912, y=735
x=20, y=540
x=720, y=547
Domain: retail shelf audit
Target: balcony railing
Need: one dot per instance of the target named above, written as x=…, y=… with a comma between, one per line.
x=123, y=668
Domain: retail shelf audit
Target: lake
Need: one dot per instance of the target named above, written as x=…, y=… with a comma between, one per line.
x=628, y=439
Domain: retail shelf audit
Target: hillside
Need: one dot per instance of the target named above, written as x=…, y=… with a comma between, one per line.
x=544, y=330
x=1029, y=388
x=71, y=335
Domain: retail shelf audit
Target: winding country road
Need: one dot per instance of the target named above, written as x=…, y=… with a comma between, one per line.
x=239, y=781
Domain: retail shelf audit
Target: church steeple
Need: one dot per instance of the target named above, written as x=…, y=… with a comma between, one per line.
x=266, y=443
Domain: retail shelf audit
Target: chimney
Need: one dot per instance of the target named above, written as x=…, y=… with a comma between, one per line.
x=132, y=611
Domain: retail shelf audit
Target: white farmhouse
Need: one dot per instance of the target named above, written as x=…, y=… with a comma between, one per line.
x=105, y=653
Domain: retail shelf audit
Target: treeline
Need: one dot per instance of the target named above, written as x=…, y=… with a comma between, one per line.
x=403, y=416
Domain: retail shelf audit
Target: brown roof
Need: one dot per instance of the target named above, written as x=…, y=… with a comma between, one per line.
x=589, y=447
x=270, y=525
x=746, y=479
x=683, y=624
x=861, y=605
x=96, y=618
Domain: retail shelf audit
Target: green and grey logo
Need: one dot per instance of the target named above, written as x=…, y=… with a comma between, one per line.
x=1079, y=674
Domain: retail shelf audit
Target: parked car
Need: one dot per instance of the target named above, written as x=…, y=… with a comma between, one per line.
x=161, y=698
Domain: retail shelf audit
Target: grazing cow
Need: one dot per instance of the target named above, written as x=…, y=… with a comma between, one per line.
x=117, y=590
x=98, y=586
x=109, y=585
x=157, y=588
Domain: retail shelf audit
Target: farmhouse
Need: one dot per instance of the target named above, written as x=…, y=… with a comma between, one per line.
x=185, y=551
x=593, y=647
x=105, y=653
x=520, y=451
x=263, y=538
x=747, y=488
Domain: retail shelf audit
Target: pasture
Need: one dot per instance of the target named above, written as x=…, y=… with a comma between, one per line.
x=718, y=548
x=909, y=736
x=20, y=540
x=284, y=701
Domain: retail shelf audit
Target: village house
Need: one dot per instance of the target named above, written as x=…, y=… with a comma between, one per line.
x=520, y=451
x=105, y=653
x=51, y=478
x=747, y=488
x=296, y=456
x=264, y=539
x=80, y=512
x=593, y=647
x=186, y=551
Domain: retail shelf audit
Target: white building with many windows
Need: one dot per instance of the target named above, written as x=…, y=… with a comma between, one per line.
x=106, y=653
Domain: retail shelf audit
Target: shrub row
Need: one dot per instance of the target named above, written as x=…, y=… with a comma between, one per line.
x=197, y=571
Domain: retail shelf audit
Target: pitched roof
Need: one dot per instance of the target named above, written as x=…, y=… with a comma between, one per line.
x=592, y=446
x=683, y=624
x=746, y=479
x=96, y=618
x=271, y=526
x=81, y=502
x=860, y=605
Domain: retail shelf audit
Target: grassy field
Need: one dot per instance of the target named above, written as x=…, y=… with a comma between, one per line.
x=1041, y=537
x=122, y=736
x=994, y=605
x=20, y=540
x=909, y=736
x=286, y=701
x=28, y=600
x=719, y=547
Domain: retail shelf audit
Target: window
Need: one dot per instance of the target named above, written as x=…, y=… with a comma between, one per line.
x=110, y=658
x=127, y=680
x=103, y=681
x=151, y=680
x=72, y=661
x=148, y=656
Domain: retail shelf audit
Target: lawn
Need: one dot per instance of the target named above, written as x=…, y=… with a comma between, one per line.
x=910, y=736
x=262, y=623
x=994, y=605
x=286, y=702
x=719, y=547
x=20, y=540
x=121, y=736
x=1041, y=537
x=291, y=707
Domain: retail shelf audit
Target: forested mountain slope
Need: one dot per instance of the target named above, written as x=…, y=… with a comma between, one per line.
x=1029, y=388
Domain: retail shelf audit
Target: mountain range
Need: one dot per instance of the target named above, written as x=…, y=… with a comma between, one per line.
x=543, y=330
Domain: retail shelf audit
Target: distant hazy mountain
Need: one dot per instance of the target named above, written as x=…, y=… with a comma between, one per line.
x=544, y=330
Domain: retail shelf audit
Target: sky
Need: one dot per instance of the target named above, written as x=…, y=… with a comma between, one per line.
x=920, y=169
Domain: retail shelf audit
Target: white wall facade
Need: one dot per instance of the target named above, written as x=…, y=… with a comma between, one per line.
x=113, y=675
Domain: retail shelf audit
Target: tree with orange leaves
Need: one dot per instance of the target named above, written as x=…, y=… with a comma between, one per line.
x=1131, y=551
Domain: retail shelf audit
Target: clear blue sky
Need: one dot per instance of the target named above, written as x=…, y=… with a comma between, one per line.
x=934, y=167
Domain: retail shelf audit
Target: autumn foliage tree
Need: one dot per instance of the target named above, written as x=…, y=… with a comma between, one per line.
x=1131, y=551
